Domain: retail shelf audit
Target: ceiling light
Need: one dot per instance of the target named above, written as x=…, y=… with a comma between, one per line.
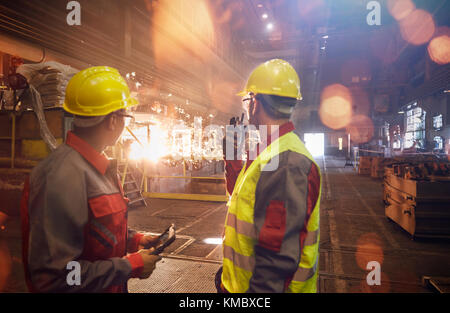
x=269, y=26
x=260, y=5
x=323, y=48
x=325, y=36
x=401, y=112
x=264, y=16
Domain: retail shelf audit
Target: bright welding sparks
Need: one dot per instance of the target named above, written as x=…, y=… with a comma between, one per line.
x=155, y=149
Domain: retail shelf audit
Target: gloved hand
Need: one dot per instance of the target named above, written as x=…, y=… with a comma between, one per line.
x=150, y=261
x=148, y=242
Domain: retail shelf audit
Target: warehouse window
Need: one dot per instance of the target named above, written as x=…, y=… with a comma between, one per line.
x=396, y=134
x=315, y=143
x=438, y=143
x=437, y=122
x=415, y=128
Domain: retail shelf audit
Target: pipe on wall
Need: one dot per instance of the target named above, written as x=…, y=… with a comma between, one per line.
x=35, y=53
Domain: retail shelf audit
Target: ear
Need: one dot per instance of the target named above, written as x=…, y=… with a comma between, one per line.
x=111, y=122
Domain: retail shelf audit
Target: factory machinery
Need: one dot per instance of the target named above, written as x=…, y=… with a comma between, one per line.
x=159, y=156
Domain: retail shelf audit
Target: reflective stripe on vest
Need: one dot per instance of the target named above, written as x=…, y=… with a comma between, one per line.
x=240, y=231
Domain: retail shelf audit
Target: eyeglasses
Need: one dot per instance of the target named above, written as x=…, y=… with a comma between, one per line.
x=131, y=117
x=246, y=102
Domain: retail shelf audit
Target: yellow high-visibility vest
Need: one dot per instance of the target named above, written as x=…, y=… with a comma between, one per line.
x=240, y=233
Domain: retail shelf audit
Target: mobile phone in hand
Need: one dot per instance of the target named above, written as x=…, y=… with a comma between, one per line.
x=165, y=239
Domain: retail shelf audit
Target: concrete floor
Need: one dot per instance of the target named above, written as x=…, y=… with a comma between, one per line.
x=354, y=231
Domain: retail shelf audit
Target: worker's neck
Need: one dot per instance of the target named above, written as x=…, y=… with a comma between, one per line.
x=94, y=141
x=273, y=125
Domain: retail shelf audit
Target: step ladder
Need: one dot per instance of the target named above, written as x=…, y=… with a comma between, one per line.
x=130, y=187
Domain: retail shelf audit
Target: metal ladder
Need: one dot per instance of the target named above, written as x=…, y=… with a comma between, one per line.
x=130, y=187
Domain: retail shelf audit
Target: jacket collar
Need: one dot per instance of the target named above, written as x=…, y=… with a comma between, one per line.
x=282, y=130
x=99, y=161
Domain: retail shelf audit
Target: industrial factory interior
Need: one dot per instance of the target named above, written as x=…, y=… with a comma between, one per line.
x=351, y=98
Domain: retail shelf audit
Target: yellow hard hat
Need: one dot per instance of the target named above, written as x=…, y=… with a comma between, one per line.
x=97, y=91
x=275, y=77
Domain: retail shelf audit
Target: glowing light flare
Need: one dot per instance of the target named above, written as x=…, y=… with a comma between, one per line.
x=175, y=39
x=369, y=248
x=335, y=109
x=360, y=129
x=418, y=28
x=439, y=47
x=400, y=9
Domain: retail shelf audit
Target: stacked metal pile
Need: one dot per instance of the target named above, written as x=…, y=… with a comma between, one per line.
x=49, y=79
x=417, y=197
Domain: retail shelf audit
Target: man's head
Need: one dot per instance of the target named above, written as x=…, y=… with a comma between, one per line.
x=271, y=93
x=98, y=98
x=107, y=129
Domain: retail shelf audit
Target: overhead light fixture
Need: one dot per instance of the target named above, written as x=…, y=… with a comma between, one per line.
x=169, y=95
x=325, y=36
x=269, y=26
x=260, y=5
x=323, y=48
x=401, y=112
x=264, y=16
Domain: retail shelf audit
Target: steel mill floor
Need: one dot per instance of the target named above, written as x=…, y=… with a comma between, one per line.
x=353, y=232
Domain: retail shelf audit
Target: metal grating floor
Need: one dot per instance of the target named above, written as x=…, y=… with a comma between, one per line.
x=177, y=276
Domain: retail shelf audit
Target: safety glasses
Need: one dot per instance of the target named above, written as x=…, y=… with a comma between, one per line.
x=127, y=117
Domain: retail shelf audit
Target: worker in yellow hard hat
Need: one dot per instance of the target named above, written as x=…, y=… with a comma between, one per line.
x=73, y=207
x=271, y=230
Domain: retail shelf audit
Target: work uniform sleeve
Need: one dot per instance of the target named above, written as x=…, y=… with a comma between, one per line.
x=134, y=238
x=282, y=209
x=58, y=213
